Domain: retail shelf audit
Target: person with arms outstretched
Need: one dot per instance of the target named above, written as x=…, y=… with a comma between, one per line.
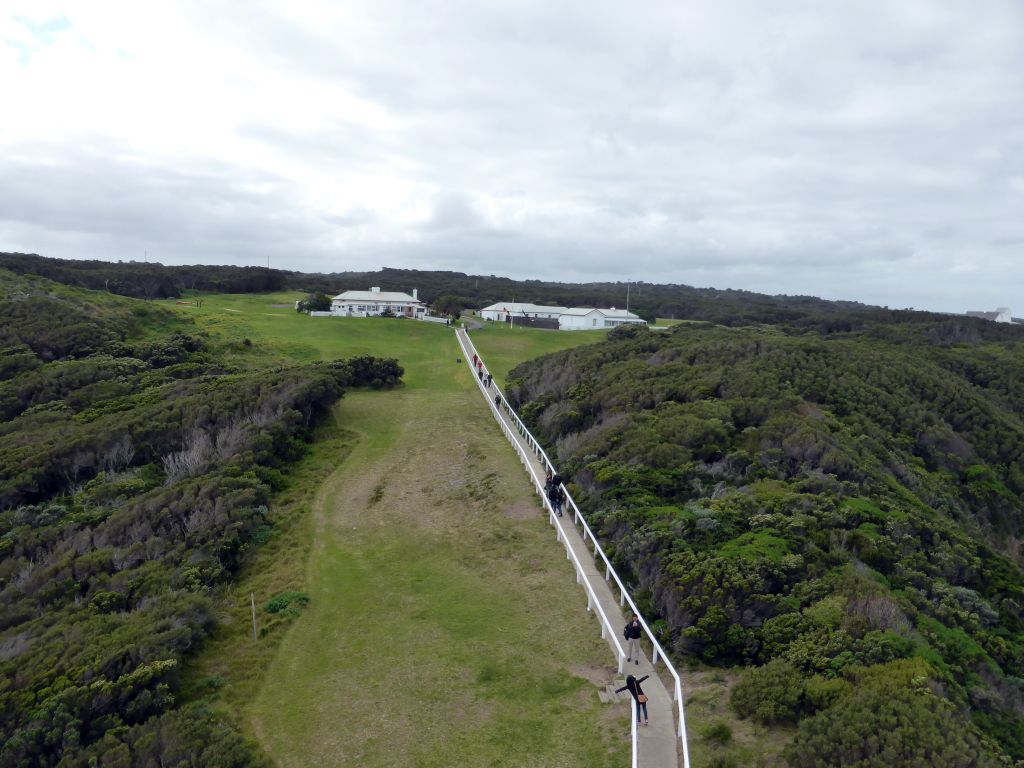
x=633, y=686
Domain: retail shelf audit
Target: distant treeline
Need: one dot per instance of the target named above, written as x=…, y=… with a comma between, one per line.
x=142, y=280
x=455, y=289
x=137, y=463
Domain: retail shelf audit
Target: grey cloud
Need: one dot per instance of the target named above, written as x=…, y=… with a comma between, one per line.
x=95, y=196
x=868, y=151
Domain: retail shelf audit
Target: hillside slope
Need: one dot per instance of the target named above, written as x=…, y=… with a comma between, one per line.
x=842, y=513
x=136, y=464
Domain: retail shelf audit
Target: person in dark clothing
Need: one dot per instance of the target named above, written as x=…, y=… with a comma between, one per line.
x=480, y=374
x=632, y=633
x=633, y=686
x=497, y=401
x=474, y=359
x=554, y=496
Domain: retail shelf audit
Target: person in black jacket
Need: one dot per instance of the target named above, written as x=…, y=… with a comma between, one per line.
x=555, y=496
x=633, y=686
x=632, y=634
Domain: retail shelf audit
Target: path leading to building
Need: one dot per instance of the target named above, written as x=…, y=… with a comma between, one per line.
x=657, y=743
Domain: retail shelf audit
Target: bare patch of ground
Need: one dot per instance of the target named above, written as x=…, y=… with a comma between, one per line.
x=521, y=510
x=599, y=676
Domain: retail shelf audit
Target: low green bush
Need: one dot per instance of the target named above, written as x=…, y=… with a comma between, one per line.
x=718, y=733
x=769, y=694
x=287, y=601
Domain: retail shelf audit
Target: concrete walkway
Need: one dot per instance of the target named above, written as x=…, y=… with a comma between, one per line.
x=657, y=743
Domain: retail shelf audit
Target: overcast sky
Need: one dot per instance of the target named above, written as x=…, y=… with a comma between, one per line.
x=861, y=150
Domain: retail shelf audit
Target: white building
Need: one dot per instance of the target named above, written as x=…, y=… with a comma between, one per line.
x=569, y=318
x=377, y=302
x=588, y=318
x=1001, y=315
x=503, y=309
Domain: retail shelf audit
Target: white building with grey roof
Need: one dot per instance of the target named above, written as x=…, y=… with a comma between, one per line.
x=376, y=302
x=569, y=318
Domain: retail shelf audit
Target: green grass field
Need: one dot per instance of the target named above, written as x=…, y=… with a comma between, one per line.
x=445, y=626
x=504, y=347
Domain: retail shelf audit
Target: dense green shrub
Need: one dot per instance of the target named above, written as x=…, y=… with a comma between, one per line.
x=769, y=694
x=837, y=503
x=315, y=302
x=888, y=729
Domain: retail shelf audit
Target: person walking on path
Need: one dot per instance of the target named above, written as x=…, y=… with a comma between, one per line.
x=474, y=360
x=555, y=497
x=633, y=686
x=632, y=634
x=497, y=401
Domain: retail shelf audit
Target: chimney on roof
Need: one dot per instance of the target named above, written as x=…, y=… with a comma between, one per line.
x=375, y=289
x=416, y=294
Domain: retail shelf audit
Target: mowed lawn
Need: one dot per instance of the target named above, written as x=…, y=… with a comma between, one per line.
x=445, y=626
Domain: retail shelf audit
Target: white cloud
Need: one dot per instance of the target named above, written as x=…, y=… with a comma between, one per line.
x=870, y=151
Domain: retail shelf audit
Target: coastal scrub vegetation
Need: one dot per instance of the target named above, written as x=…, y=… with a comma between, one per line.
x=137, y=463
x=837, y=508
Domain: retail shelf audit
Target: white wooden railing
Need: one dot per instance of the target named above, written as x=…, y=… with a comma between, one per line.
x=658, y=652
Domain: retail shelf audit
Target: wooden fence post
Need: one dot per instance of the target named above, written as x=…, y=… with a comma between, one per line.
x=252, y=599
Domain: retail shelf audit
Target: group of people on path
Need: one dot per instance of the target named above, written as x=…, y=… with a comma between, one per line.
x=484, y=376
x=555, y=492
x=632, y=633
